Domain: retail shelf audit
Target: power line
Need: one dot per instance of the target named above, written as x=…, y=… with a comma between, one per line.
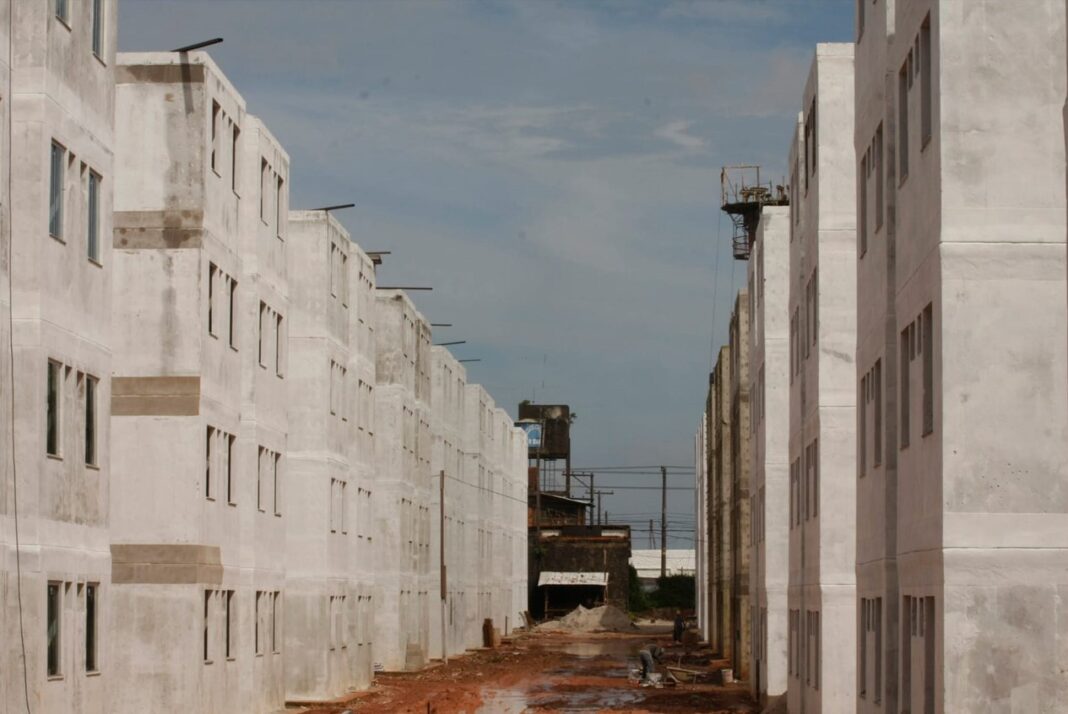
x=626, y=468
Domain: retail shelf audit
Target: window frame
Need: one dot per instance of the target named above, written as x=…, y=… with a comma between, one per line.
x=92, y=628
x=91, y=421
x=92, y=229
x=57, y=190
x=96, y=32
x=54, y=596
x=54, y=391
x=61, y=10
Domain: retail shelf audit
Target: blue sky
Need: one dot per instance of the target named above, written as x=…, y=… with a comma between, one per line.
x=551, y=168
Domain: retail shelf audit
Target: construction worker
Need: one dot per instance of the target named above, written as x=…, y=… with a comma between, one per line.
x=680, y=627
x=649, y=656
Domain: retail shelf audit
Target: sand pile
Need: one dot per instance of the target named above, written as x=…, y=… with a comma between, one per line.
x=600, y=619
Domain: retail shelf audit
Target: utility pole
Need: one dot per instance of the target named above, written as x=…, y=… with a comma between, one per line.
x=663, y=521
x=652, y=540
x=600, y=513
x=593, y=517
x=444, y=583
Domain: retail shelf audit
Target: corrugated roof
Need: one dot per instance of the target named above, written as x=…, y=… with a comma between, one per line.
x=555, y=578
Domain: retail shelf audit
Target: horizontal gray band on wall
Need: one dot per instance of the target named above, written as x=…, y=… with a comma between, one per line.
x=158, y=230
x=155, y=396
x=166, y=564
x=159, y=73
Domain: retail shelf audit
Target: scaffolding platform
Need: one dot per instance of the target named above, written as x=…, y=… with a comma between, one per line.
x=742, y=196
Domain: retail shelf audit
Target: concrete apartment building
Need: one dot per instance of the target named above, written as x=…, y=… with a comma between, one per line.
x=702, y=531
x=717, y=627
x=57, y=98
x=495, y=459
x=450, y=631
x=725, y=583
x=738, y=505
x=403, y=483
x=199, y=412
x=822, y=443
x=878, y=599
x=328, y=599
x=976, y=522
x=769, y=374
x=186, y=519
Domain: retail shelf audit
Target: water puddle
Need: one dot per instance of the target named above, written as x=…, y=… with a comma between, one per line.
x=558, y=692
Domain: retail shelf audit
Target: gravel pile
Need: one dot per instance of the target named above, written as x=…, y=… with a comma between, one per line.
x=600, y=619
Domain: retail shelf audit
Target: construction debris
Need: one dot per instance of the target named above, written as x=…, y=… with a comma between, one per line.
x=599, y=619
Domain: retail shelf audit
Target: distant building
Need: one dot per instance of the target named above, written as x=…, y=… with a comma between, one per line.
x=646, y=562
x=769, y=361
x=583, y=565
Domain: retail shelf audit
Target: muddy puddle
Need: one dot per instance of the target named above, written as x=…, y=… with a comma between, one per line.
x=592, y=678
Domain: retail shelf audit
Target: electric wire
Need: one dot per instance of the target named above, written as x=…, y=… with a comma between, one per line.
x=11, y=367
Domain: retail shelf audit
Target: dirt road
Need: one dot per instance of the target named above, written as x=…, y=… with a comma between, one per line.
x=547, y=673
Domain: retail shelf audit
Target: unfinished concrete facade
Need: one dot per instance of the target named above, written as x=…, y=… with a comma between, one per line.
x=198, y=425
x=979, y=384
x=719, y=485
x=329, y=592
x=878, y=599
x=822, y=411
x=738, y=527
x=769, y=368
x=451, y=630
x=702, y=523
x=403, y=483
x=57, y=86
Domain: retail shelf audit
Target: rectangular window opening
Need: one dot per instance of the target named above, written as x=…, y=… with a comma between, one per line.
x=55, y=626
x=54, y=405
x=233, y=313
x=209, y=448
x=926, y=109
x=98, y=28
x=56, y=191
x=231, y=491
x=207, y=629
x=91, y=624
x=927, y=343
x=877, y=451
x=903, y=121
x=90, y=420
x=93, y=217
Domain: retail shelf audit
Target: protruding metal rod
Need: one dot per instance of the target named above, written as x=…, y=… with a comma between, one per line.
x=468, y=360
x=377, y=252
x=441, y=324
x=448, y=344
x=400, y=287
x=199, y=45
x=338, y=207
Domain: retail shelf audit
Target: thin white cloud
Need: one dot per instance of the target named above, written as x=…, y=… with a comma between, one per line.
x=675, y=132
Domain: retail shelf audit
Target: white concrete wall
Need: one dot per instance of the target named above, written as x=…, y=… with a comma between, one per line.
x=701, y=550
x=769, y=362
x=194, y=525
x=878, y=596
x=329, y=593
x=981, y=227
x=403, y=483
x=738, y=503
x=449, y=381
x=822, y=410
x=54, y=90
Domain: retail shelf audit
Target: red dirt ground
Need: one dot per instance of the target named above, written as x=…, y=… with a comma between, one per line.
x=544, y=673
